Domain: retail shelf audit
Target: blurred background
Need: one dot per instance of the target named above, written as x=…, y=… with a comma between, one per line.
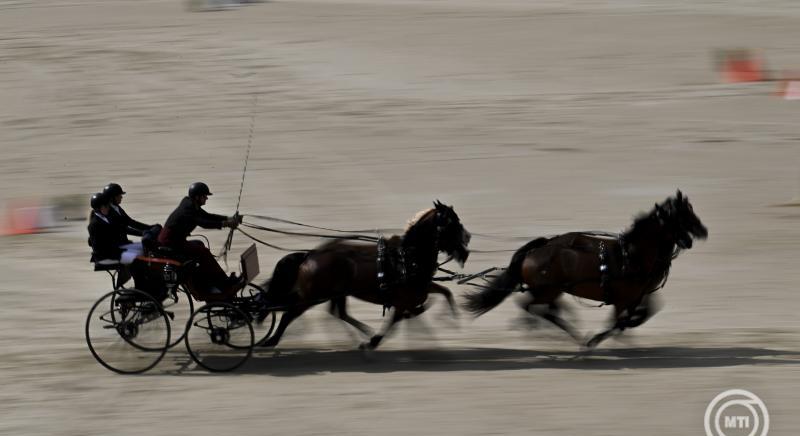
x=531, y=118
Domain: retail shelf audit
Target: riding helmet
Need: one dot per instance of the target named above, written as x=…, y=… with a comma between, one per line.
x=198, y=188
x=99, y=199
x=113, y=189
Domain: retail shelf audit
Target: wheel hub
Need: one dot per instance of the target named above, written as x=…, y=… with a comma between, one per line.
x=127, y=330
x=219, y=335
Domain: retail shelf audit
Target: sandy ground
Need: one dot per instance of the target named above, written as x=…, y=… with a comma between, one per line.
x=531, y=118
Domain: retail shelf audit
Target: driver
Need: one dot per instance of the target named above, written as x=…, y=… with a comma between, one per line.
x=181, y=222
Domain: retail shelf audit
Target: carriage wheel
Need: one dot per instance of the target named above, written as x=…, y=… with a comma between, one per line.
x=179, y=308
x=219, y=337
x=127, y=331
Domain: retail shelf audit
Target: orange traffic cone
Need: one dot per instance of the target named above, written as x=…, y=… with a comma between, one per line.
x=789, y=89
x=22, y=220
x=742, y=70
x=737, y=66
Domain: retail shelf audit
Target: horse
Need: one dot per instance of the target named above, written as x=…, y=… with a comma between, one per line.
x=621, y=270
x=396, y=273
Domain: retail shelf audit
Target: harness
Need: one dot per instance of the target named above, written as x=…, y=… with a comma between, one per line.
x=391, y=267
x=394, y=269
x=604, y=274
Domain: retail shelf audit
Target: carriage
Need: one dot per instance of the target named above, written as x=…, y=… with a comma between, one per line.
x=130, y=329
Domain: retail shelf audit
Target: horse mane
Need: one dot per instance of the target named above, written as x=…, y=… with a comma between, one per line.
x=661, y=269
x=417, y=218
x=639, y=223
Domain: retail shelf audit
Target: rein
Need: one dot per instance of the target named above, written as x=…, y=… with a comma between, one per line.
x=295, y=223
x=313, y=235
x=276, y=247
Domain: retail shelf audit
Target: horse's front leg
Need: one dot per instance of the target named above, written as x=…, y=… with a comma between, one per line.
x=617, y=327
x=338, y=309
x=646, y=309
x=397, y=315
x=623, y=318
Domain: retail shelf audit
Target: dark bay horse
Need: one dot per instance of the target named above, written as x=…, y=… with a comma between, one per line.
x=621, y=270
x=396, y=272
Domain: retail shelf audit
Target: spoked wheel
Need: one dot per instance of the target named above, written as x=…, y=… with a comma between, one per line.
x=263, y=320
x=179, y=307
x=127, y=331
x=219, y=337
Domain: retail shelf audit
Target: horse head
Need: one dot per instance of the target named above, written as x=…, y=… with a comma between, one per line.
x=453, y=237
x=442, y=225
x=685, y=224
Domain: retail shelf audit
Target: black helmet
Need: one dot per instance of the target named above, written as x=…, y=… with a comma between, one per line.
x=99, y=199
x=198, y=188
x=112, y=190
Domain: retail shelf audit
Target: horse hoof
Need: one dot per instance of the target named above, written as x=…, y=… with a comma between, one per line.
x=371, y=344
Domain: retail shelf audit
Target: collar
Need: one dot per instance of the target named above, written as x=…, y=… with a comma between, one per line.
x=102, y=217
x=116, y=208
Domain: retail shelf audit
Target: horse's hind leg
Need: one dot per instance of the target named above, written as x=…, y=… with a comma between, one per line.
x=436, y=288
x=545, y=305
x=288, y=316
x=338, y=308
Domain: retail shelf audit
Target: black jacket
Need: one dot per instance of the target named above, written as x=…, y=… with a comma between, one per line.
x=125, y=224
x=184, y=219
x=104, y=238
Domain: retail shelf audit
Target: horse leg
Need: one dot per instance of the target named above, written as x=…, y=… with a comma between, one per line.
x=338, y=308
x=545, y=305
x=436, y=288
x=643, y=311
x=288, y=316
x=373, y=343
x=620, y=321
x=602, y=336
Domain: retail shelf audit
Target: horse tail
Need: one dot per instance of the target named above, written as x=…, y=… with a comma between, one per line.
x=502, y=285
x=284, y=276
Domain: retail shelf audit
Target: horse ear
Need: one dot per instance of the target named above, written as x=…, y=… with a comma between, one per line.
x=679, y=194
x=437, y=204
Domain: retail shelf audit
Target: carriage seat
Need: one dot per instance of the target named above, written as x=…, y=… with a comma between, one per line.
x=107, y=265
x=111, y=266
x=155, y=257
x=167, y=253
